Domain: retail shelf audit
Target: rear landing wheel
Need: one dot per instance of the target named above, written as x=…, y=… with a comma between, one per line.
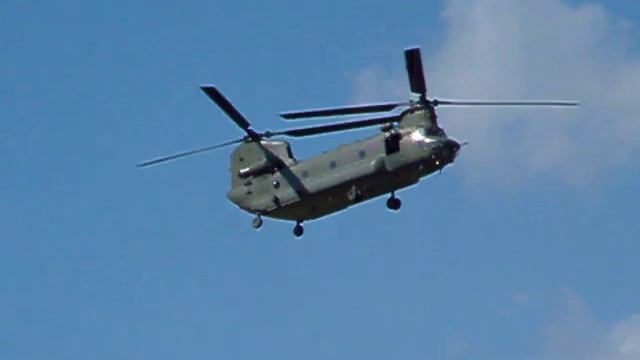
x=298, y=230
x=393, y=203
x=257, y=222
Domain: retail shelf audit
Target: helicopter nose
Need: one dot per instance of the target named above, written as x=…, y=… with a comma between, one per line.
x=452, y=147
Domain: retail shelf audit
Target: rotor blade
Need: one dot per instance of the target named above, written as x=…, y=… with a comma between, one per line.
x=229, y=109
x=341, y=110
x=323, y=129
x=437, y=102
x=417, y=81
x=187, y=153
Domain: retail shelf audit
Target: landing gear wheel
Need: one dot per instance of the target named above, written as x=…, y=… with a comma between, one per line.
x=298, y=230
x=393, y=203
x=257, y=222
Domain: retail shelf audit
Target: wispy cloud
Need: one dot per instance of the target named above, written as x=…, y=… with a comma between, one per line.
x=517, y=301
x=543, y=49
x=577, y=335
x=374, y=84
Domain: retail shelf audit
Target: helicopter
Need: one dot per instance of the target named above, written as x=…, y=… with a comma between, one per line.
x=268, y=181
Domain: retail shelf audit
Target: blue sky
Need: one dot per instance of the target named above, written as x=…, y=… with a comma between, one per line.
x=513, y=253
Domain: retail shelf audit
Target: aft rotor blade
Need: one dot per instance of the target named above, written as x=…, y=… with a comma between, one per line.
x=229, y=109
x=187, y=153
x=323, y=129
x=415, y=71
x=437, y=102
x=341, y=110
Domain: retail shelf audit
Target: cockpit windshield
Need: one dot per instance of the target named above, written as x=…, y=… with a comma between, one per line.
x=420, y=135
x=427, y=133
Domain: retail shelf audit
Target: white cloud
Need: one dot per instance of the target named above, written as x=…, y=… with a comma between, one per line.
x=624, y=339
x=542, y=49
x=577, y=335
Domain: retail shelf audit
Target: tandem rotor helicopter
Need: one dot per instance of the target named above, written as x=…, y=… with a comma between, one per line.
x=268, y=181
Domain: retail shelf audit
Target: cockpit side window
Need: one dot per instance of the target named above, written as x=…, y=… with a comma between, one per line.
x=434, y=131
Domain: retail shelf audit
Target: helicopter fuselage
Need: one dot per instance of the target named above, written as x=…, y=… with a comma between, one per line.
x=278, y=186
x=267, y=180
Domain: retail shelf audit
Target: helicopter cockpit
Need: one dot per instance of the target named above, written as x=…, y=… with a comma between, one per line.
x=441, y=146
x=423, y=138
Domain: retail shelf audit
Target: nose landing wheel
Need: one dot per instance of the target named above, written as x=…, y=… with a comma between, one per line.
x=394, y=203
x=298, y=230
x=257, y=222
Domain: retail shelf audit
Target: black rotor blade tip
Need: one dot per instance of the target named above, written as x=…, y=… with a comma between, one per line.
x=214, y=94
x=415, y=71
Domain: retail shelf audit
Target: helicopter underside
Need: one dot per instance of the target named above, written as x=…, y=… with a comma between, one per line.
x=350, y=193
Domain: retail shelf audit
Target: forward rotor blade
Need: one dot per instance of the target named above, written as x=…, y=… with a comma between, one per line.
x=323, y=129
x=187, y=153
x=417, y=81
x=437, y=102
x=229, y=109
x=341, y=110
